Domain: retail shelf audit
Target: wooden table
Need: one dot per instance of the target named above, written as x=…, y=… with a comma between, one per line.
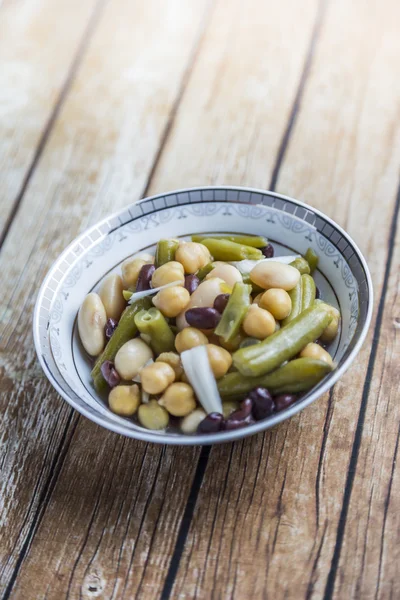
x=103, y=102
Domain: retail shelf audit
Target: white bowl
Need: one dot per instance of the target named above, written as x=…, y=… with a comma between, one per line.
x=342, y=276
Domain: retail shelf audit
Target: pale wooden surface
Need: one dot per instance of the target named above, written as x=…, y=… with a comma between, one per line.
x=102, y=102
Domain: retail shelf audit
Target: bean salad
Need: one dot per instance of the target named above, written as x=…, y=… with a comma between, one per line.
x=208, y=335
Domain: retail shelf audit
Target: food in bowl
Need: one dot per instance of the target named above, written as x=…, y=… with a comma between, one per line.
x=208, y=335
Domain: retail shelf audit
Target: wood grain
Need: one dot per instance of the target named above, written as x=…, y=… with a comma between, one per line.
x=39, y=43
x=109, y=511
x=239, y=97
x=92, y=560
x=367, y=565
x=273, y=504
x=98, y=156
x=305, y=95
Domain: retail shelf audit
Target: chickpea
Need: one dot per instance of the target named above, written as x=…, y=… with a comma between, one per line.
x=190, y=423
x=131, y=268
x=227, y=273
x=331, y=309
x=233, y=344
x=174, y=361
x=258, y=323
x=316, y=351
x=271, y=274
x=92, y=319
x=192, y=256
x=277, y=302
x=257, y=299
x=189, y=338
x=157, y=377
x=124, y=400
x=172, y=301
x=112, y=298
x=329, y=334
x=331, y=331
x=184, y=378
x=153, y=416
x=131, y=357
x=178, y=399
x=220, y=360
x=168, y=273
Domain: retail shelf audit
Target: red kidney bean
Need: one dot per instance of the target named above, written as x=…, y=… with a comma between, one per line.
x=232, y=424
x=283, y=401
x=144, y=279
x=268, y=251
x=263, y=404
x=109, y=373
x=191, y=283
x=220, y=302
x=203, y=318
x=211, y=423
x=243, y=412
x=110, y=327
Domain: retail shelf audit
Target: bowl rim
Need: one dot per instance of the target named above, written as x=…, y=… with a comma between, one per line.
x=224, y=436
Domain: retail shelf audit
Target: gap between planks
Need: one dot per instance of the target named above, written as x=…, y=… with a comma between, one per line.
x=48, y=127
x=71, y=424
x=330, y=584
x=205, y=453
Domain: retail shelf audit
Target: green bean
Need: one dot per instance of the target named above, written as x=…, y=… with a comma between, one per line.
x=295, y=296
x=255, y=289
x=308, y=291
x=249, y=341
x=301, y=265
x=256, y=241
x=165, y=252
x=298, y=375
x=302, y=297
x=125, y=331
x=235, y=312
x=127, y=294
x=283, y=344
x=204, y=271
x=226, y=250
x=152, y=323
x=312, y=258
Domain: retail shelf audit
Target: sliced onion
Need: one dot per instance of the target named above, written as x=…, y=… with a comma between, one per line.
x=137, y=295
x=198, y=371
x=246, y=266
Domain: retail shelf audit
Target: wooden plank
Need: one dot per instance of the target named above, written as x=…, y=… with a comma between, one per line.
x=93, y=559
x=93, y=163
x=102, y=523
x=236, y=107
x=266, y=521
x=367, y=563
x=39, y=42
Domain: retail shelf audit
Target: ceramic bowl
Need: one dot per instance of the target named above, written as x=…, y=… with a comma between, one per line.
x=290, y=225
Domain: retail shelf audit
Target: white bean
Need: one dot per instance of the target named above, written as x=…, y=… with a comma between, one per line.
x=91, y=322
x=271, y=274
x=111, y=296
x=190, y=423
x=131, y=358
x=204, y=295
x=227, y=273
